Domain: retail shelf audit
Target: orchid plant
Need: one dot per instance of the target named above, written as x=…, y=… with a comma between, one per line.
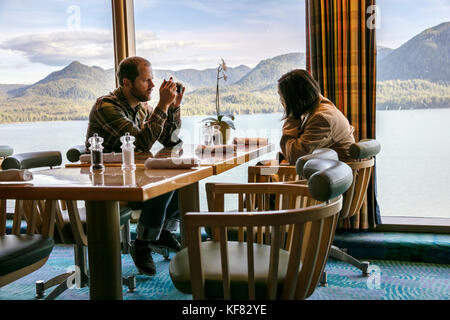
x=219, y=119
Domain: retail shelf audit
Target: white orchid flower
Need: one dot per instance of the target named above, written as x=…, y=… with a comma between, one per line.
x=224, y=65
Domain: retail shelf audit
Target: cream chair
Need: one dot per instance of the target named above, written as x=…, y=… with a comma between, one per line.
x=279, y=253
x=362, y=153
x=22, y=254
x=70, y=222
x=272, y=171
x=5, y=151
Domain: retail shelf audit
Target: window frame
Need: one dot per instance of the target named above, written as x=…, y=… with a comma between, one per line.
x=125, y=45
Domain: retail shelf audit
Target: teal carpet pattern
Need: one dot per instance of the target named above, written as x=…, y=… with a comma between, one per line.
x=390, y=280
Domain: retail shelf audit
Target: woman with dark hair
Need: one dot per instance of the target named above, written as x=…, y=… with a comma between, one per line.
x=311, y=120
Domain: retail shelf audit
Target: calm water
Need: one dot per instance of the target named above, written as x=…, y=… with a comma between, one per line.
x=412, y=168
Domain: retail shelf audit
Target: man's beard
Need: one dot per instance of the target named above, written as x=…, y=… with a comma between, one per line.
x=140, y=97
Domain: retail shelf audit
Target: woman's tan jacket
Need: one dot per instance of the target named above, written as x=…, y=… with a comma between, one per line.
x=323, y=127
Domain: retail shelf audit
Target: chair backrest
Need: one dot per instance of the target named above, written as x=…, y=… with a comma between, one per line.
x=5, y=151
x=24, y=209
x=272, y=174
x=32, y=160
x=287, y=173
x=304, y=220
x=322, y=153
x=36, y=214
x=74, y=153
x=362, y=153
x=16, y=244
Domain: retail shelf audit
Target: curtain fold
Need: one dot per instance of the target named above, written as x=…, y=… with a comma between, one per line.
x=341, y=56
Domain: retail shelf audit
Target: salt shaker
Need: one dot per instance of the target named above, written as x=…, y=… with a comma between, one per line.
x=127, y=151
x=96, y=153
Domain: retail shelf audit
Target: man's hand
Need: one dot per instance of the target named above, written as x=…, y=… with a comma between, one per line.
x=167, y=94
x=178, y=98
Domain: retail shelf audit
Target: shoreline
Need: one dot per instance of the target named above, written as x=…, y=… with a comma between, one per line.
x=238, y=115
x=189, y=117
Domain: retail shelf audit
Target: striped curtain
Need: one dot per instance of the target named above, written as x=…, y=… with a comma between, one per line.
x=341, y=55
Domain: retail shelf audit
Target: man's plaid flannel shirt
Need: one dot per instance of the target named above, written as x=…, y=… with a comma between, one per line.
x=112, y=116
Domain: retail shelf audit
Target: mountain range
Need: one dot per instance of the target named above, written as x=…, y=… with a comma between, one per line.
x=423, y=58
x=426, y=56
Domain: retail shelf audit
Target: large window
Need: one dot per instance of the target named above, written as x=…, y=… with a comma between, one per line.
x=56, y=58
x=258, y=40
x=413, y=105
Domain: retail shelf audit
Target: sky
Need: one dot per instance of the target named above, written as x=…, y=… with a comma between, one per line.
x=39, y=37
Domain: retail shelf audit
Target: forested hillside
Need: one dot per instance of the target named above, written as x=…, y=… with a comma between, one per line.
x=413, y=76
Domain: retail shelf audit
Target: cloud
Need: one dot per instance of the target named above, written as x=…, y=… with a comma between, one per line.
x=60, y=48
x=92, y=47
x=148, y=43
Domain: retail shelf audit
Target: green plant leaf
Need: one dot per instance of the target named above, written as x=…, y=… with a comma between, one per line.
x=229, y=115
x=229, y=123
x=210, y=119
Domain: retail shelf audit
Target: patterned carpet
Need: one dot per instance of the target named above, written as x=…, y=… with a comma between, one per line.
x=390, y=280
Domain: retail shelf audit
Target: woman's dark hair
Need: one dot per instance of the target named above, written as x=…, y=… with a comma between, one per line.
x=128, y=68
x=300, y=92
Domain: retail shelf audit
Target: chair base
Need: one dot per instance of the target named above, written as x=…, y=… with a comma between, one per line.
x=130, y=282
x=341, y=255
x=162, y=251
x=323, y=282
x=63, y=285
x=61, y=282
x=69, y=279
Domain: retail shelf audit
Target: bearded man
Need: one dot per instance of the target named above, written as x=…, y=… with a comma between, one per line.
x=126, y=109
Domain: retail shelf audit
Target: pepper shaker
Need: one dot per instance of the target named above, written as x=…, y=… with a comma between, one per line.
x=96, y=153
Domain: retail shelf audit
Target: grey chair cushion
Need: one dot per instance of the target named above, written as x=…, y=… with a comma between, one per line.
x=366, y=148
x=6, y=151
x=19, y=251
x=74, y=153
x=322, y=153
x=237, y=253
x=327, y=178
x=32, y=160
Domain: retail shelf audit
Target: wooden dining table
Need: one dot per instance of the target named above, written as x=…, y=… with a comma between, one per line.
x=102, y=193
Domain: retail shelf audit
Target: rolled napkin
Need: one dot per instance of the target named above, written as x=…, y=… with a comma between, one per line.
x=251, y=141
x=171, y=163
x=107, y=157
x=216, y=149
x=169, y=152
x=12, y=175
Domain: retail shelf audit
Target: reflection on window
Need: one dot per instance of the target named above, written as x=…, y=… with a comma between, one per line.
x=413, y=98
